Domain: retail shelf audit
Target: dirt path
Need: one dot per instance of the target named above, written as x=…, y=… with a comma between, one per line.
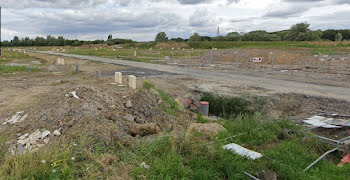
x=273, y=85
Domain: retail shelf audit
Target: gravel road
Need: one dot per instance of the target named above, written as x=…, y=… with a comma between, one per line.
x=275, y=85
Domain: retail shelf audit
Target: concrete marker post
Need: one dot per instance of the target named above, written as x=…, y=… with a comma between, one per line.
x=77, y=69
x=132, y=81
x=98, y=73
x=118, y=76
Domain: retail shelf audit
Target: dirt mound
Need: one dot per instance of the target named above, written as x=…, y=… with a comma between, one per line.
x=105, y=116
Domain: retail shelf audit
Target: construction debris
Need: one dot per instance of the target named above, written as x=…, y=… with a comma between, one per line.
x=324, y=122
x=345, y=160
x=242, y=151
x=321, y=157
x=74, y=94
x=145, y=166
x=16, y=118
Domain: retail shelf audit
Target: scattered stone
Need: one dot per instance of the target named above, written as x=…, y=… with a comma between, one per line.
x=23, y=137
x=144, y=129
x=72, y=158
x=67, y=95
x=140, y=121
x=129, y=117
x=35, y=136
x=46, y=141
x=18, y=135
x=74, y=94
x=23, y=141
x=45, y=133
x=56, y=133
x=128, y=104
x=43, y=161
x=208, y=129
x=20, y=149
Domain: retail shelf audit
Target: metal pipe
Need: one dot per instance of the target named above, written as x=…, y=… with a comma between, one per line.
x=321, y=157
x=251, y=176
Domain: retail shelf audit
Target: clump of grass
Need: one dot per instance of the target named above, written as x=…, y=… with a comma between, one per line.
x=148, y=85
x=200, y=118
x=170, y=105
x=11, y=69
x=226, y=106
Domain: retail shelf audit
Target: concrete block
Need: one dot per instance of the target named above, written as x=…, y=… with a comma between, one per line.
x=132, y=81
x=118, y=77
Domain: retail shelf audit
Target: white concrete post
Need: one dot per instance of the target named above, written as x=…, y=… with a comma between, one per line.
x=135, y=53
x=118, y=77
x=59, y=61
x=132, y=81
x=62, y=61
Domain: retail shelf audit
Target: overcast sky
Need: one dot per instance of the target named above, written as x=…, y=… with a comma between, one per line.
x=143, y=19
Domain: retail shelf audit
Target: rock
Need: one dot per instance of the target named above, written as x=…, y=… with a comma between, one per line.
x=23, y=141
x=23, y=137
x=128, y=104
x=20, y=149
x=18, y=135
x=208, y=129
x=56, y=133
x=67, y=95
x=40, y=145
x=35, y=136
x=45, y=133
x=129, y=117
x=144, y=129
x=46, y=141
x=140, y=121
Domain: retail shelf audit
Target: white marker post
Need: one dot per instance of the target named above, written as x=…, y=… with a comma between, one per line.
x=132, y=81
x=118, y=77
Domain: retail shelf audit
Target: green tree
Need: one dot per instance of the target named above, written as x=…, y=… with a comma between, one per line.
x=301, y=32
x=195, y=37
x=76, y=43
x=233, y=36
x=161, y=37
x=16, y=41
x=260, y=36
x=338, y=37
x=110, y=37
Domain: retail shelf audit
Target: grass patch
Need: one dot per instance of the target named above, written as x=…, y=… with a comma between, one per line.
x=11, y=69
x=226, y=106
x=148, y=85
x=170, y=105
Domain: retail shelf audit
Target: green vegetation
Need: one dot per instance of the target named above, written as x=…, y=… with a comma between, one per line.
x=181, y=156
x=231, y=106
x=170, y=105
x=11, y=69
x=161, y=37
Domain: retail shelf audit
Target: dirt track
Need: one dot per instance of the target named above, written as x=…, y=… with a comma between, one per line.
x=271, y=84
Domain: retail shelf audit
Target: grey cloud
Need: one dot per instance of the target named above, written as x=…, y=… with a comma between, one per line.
x=299, y=1
x=194, y=1
x=285, y=13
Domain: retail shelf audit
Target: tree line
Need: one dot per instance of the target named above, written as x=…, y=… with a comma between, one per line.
x=298, y=32
x=60, y=41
